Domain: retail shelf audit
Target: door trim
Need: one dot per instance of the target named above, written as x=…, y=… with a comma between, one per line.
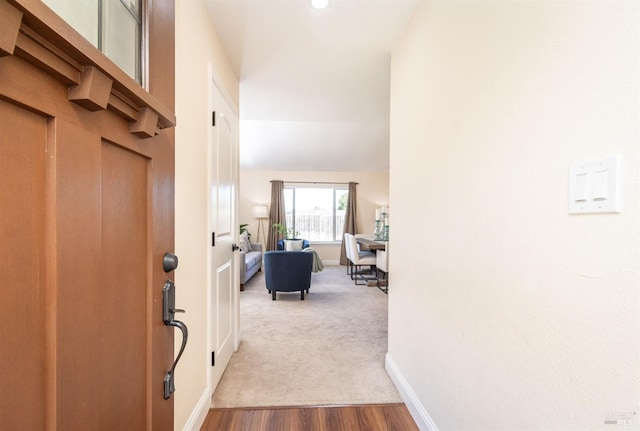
x=46, y=41
x=213, y=80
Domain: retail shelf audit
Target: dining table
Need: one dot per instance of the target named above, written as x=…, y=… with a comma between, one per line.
x=367, y=244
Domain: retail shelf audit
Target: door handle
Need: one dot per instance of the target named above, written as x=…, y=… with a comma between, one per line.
x=234, y=247
x=169, y=262
x=168, y=313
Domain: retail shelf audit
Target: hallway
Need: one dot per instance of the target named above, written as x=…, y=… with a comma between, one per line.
x=326, y=350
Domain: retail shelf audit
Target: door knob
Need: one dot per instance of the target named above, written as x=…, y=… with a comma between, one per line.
x=169, y=262
x=234, y=247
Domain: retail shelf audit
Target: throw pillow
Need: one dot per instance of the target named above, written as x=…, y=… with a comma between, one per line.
x=293, y=244
x=245, y=244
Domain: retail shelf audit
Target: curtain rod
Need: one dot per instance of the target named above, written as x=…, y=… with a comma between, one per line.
x=313, y=182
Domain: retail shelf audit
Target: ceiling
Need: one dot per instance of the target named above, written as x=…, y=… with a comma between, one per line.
x=314, y=84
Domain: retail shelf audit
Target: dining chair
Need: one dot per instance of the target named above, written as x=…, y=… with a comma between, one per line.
x=382, y=269
x=358, y=259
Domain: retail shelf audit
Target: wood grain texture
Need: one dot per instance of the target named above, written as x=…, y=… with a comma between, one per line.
x=23, y=257
x=381, y=417
x=86, y=214
x=10, y=19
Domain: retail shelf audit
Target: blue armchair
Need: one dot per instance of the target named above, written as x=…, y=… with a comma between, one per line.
x=287, y=271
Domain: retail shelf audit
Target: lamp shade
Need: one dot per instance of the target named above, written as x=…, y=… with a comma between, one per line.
x=260, y=211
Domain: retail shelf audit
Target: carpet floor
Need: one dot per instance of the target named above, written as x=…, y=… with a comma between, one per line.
x=326, y=350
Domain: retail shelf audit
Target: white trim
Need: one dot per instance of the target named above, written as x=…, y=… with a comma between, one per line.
x=331, y=263
x=417, y=410
x=199, y=413
x=210, y=335
x=214, y=84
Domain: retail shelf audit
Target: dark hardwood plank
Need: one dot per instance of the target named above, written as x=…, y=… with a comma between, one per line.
x=379, y=417
x=372, y=419
x=341, y=419
x=398, y=418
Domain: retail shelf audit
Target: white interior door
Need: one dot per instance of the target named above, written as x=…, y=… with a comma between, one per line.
x=223, y=294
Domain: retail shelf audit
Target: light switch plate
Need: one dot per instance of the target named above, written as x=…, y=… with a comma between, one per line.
x=594, y=186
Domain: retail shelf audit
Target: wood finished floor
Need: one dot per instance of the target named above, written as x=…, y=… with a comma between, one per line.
x=379, y=417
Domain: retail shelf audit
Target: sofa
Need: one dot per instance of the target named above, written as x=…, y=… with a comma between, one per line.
x=250, y=263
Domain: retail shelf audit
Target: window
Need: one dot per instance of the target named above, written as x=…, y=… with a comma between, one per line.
x=316, y=213
x=112, y=26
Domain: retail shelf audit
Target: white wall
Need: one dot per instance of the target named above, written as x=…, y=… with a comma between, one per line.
x=373, y=191
x=505, y=312
x=197, y=45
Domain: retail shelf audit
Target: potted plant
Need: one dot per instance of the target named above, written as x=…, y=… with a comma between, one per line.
x=243, y=228
x=291, y=240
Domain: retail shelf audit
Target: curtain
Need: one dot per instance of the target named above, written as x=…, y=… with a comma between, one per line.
x=350, y=224
x=276, y=214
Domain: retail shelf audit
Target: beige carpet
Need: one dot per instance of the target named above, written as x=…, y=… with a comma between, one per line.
x=327, y=349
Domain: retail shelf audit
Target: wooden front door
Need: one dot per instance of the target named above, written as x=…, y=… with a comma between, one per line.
x=86, y=215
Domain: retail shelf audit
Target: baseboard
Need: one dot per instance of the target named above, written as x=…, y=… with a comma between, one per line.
x=199, y=413
x=417, y=410
x=331, y=262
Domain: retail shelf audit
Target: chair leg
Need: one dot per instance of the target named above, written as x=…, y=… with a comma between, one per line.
x=302, y=295
x=384, y=286
x=359, y=274
x=273, y=295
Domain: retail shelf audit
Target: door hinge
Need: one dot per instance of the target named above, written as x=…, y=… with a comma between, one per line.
x=213, y=359
x=213, y=118
x=213, y=239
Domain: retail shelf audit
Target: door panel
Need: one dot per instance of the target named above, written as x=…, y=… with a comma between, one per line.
x=102, y=291
x=23, y=257
x=224, y=170
x=223, y=289
x=124, y=297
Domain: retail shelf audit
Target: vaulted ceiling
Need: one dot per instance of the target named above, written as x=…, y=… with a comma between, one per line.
x=314, y=84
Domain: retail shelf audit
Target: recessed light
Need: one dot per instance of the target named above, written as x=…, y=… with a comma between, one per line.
x=319, y=4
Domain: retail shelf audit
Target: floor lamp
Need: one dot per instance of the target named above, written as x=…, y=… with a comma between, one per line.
x=261, y=212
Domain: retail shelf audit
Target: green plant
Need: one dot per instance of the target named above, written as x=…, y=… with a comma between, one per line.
x=243, y=228
x=284, y=232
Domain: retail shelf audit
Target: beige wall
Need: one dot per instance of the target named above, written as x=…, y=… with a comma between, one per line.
x=197, y=46
x=373, y=191
x=506, y=312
